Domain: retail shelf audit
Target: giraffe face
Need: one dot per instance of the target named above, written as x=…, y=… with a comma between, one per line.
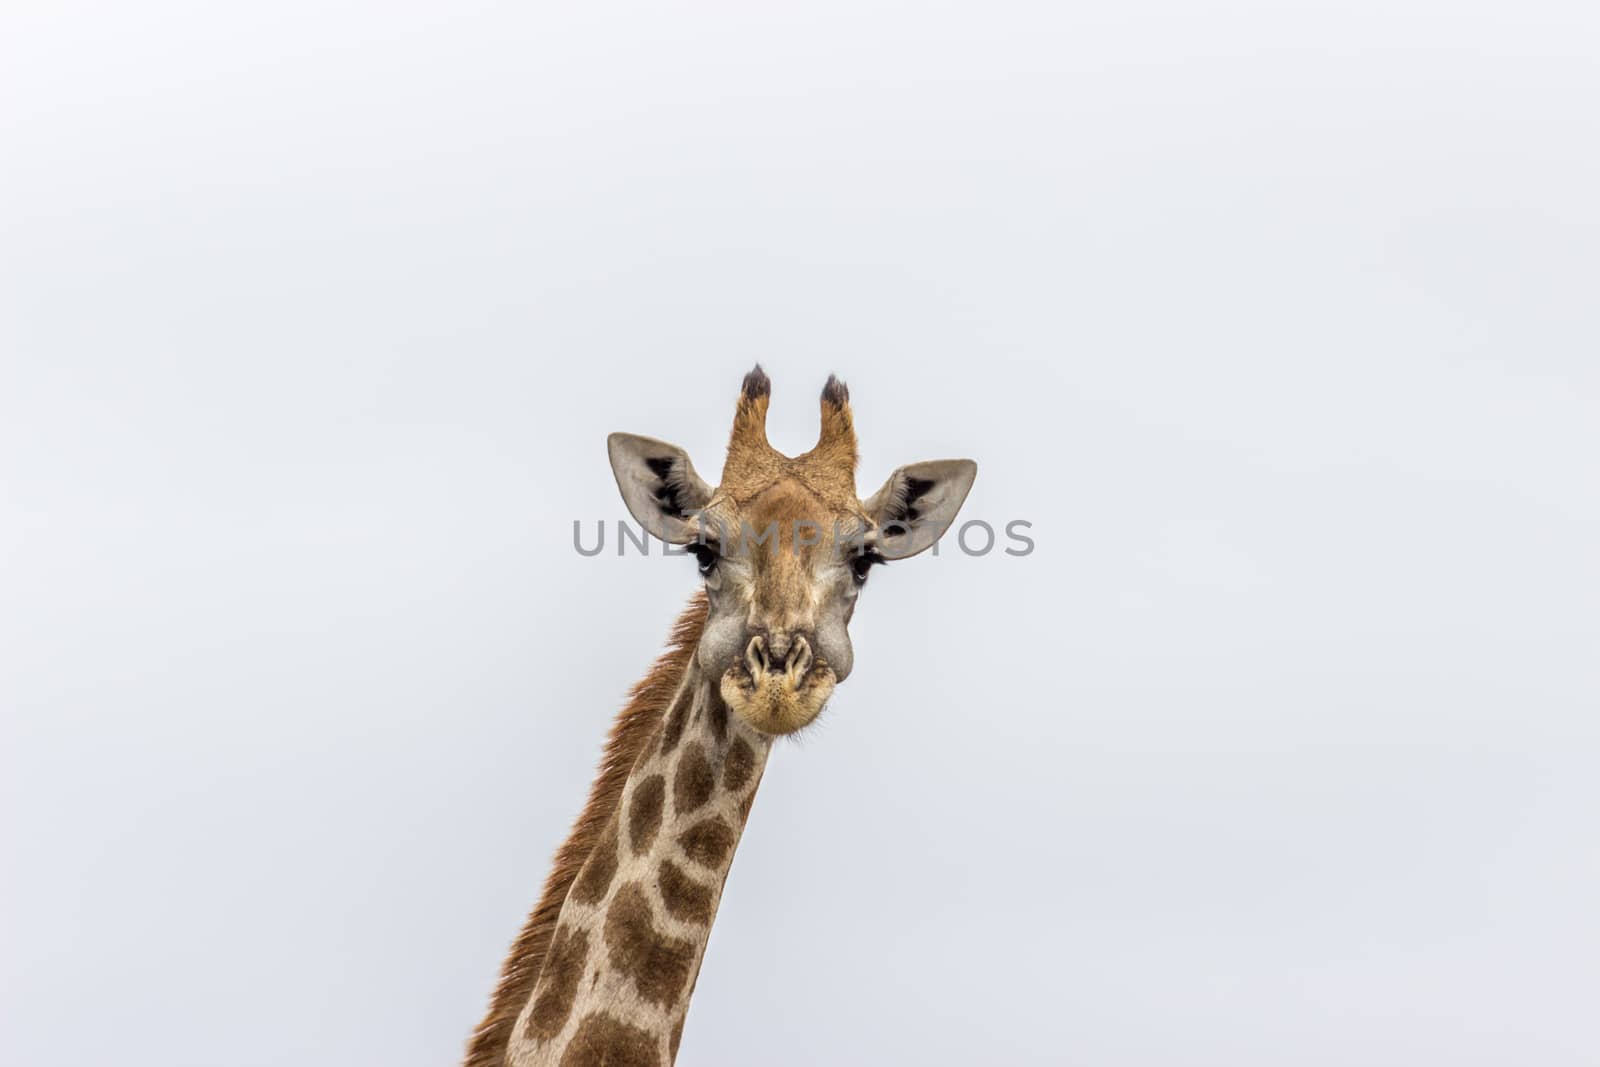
x=781, y=578
x=784, y=547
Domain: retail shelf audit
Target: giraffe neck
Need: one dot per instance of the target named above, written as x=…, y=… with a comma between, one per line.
x=616, y=983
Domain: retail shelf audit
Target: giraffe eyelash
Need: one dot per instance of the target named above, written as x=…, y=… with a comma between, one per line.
x=864, y=562
x=706, y=554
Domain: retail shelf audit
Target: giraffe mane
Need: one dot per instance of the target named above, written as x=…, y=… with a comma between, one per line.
x=635, y=725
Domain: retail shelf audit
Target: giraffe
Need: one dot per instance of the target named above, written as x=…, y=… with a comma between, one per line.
x=603, y=970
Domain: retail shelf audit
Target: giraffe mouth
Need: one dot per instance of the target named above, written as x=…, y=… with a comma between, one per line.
x=778, y=702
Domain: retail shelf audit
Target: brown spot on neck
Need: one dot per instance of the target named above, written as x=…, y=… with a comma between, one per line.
x=708, y=842
x=693, y=780
x=605, y=1041
x=672, y=728
x=644, y=812
x=599, y=869
x=682, y=896
x=558, y=984
x=658, y=963
x=717, y=717
x=740, y=765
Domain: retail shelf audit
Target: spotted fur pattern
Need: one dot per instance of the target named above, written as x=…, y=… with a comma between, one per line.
x=629, y=940
x=637, y=725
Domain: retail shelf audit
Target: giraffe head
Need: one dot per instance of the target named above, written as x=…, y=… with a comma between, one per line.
x=785, y=546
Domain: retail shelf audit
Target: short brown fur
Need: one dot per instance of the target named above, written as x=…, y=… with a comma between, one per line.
x=682, y=896
x=597, y=873
x=644, y=814
x=694, y=781
x=739, y=766
x=604, y=1041
x=828, y=470
x=708, y=841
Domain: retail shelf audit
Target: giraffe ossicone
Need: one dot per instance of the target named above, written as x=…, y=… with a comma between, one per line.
x=603, y=970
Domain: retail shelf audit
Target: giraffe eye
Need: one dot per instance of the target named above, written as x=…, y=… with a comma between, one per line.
x=864, y=563
x=706, y=556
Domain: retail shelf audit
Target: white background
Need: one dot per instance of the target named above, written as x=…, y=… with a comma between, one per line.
x=1277, y=321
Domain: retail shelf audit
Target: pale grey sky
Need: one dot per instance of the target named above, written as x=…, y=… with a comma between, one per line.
x=1276, y=321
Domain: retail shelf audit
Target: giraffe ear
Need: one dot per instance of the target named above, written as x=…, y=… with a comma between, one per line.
x=918, y=503
x=659, y=486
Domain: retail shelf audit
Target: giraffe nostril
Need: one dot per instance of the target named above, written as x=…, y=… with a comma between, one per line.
x=799, y=661
x=755, y=657
x=779, y=653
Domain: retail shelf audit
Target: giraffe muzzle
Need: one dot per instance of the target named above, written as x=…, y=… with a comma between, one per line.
x=778, y=695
